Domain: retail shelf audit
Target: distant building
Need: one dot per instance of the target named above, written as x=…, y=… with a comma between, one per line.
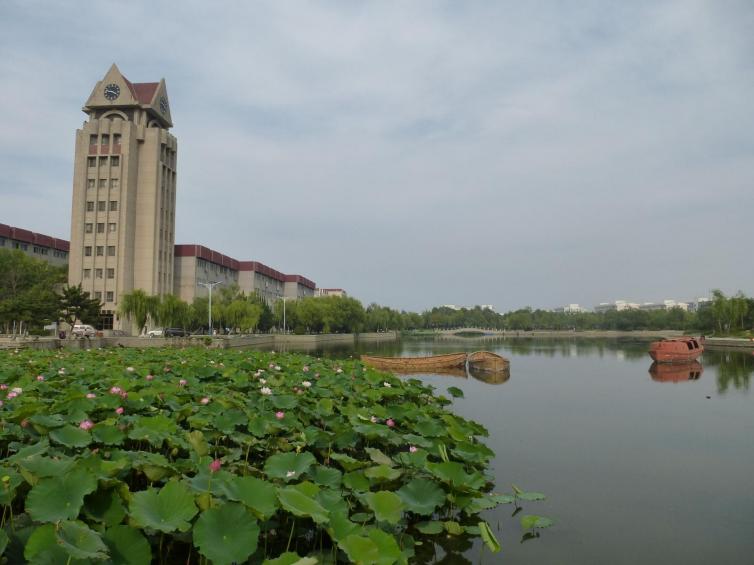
x=618, y=305
x=265, y=281
x=331, y=292
x=196, y=264
x=569, y=309
x=37, y=245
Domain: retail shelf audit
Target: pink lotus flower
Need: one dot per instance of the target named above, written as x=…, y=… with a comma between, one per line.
x=116, y=390
x=271, y=366
x=413, y=449
x=149, y=377
x=119, y=410
x=91, y=395
x=86, y=425
x=204, y=400
x=25, y=423
x=182, y=382
x=124, y=395
x=306, y=369
x=390, y=423
x=214, y=467
x=11, y=395
x=40, y=377
x=3, y=386
x=279, y=415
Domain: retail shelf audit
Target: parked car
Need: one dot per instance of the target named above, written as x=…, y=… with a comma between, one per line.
x=83, y=330
x=155, y=333
x=175, y=332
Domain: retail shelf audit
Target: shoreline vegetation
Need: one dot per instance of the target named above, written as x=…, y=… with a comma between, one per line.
x=28, y=300
x=170, y=456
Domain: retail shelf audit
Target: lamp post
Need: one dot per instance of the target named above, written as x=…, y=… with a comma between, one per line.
x=209, y=286
x=283, y=299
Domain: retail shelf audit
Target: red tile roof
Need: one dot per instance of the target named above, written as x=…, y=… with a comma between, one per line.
x=142, y=91
x=28, y=236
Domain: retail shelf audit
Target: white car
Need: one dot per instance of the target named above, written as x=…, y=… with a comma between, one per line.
x=84, y=330
x=155, y=333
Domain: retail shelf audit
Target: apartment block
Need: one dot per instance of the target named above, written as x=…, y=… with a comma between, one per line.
x=296, y=286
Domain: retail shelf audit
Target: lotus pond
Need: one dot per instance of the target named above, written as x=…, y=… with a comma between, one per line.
x=197, y=456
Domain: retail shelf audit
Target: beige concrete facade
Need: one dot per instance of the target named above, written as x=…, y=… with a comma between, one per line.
x=297, y=287
x=331, y=292
x=195, y=264
x=36, y=245
x=265, y=281
x=124, y=192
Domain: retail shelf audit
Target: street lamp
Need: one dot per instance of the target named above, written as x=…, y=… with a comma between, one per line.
x=209, y=286
x=283, y=299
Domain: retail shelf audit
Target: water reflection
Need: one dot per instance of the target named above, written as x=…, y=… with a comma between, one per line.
x=489, y=377
x=676, y=372
x=734, y=369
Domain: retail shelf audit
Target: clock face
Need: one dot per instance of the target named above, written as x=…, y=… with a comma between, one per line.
x=163, y=105
x=112, y=91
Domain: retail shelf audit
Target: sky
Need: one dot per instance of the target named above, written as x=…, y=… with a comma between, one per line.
x=419, y=153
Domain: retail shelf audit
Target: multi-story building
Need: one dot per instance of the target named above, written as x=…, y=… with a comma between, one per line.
x=296, y=286
x=37, y=245
x=569, y=309
x=265, y=281
x=196, y=264
x=124, y=190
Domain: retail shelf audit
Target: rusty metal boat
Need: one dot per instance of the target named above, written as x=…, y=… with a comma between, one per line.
x=676, y=372
x=676, y=349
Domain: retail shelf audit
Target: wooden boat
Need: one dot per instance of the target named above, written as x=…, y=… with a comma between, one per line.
x=676, y=372
x=487, y=361
x=676, y=350
x=478, y=361
x=416, y=364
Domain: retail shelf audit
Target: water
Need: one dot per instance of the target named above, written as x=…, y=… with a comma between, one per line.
x=636, y=470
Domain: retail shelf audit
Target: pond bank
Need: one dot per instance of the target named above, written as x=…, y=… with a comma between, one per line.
x=260, y=341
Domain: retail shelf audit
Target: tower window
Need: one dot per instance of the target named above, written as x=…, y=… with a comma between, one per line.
x=100, y=251
x=97, y=293
x=115, y=161
x=88, y=227
x=114, y=184
x=87, y=273
x=116, y=139
x=111, y=251
x=105, y=139
x=90, y=205
x=109, y=295
x=88, y=251
x=103, y=161
x=92, y=140
x=111, y=273
x=90, y=183
x=113, y=205
x=100, y=228
x=102, y=206
x=103, y=183
x=98, y=273
x=111, y=227
x=92, y=161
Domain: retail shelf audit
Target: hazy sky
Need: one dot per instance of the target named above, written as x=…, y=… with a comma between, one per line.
x=419, y=153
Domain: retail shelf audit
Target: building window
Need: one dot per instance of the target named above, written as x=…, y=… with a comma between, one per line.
x=115, y=162
x=97, y=273
x=92, y=140
x=92, y=161
x=116, y=139
x=111, y=251
x=98, y=294
x=88, y=227
x=100, y=228
x=113, y=205
x=90, y=205
x=111, y=273
x=87, y=273
x=103, y=161
x=102, y=206
x=109, y=296
x=90, y=183
x=100, y=251
x=111, y=227
x=114, y=184
x=103, y=183
x=105, y=139
x=88, y=251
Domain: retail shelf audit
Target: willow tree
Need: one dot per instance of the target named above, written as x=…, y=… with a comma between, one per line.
x=139, y=307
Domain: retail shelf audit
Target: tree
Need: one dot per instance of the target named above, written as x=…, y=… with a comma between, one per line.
x=139, y=307
x=75, y=304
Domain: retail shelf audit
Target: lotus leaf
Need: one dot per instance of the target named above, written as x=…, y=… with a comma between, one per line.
x=81, y=542
x=530, y=521
x=226, y=534
x=299, y=504
x=59, y=498
x=387, y=506
x=127, y=546
x=71, y=436
x=421, y=496
x=288, y=466
x=167, y=509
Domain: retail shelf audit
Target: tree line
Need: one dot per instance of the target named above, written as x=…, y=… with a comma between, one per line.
x=34, y=293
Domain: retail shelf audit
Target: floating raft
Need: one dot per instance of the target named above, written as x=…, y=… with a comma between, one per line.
x=479, y=361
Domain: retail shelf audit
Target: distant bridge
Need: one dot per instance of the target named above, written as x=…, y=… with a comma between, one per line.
x=483, y=332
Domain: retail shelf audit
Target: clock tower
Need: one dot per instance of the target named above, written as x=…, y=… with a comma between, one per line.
x=124, y=188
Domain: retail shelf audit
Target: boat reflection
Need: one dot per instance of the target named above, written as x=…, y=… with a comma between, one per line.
x=489, y=377
x=676, y=372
